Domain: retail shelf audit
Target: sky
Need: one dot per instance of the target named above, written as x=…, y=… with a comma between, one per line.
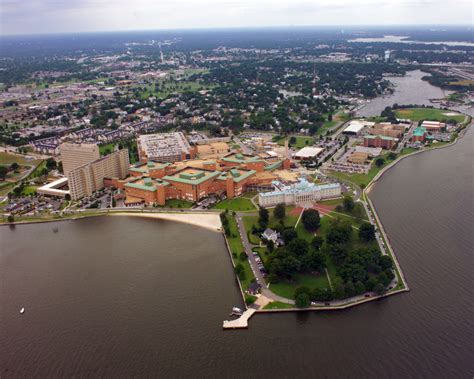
x=66, y=16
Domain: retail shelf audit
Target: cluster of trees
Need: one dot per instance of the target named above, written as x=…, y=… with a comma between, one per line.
x=4, y=170
x=297, y=256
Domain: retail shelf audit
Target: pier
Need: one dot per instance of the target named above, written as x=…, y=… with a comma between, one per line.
x=241, y=322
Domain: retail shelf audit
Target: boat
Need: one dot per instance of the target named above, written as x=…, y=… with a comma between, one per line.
x=236, y=311
x=22, y=310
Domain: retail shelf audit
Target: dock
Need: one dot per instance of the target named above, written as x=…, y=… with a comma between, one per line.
x=241, y=322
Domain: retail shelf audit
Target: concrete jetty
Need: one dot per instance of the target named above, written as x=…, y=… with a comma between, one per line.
x=240, y=323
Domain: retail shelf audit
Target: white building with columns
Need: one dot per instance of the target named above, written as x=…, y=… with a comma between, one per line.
x=299, y=193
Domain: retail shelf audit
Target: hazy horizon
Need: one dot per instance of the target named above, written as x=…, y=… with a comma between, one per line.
x=39, y=17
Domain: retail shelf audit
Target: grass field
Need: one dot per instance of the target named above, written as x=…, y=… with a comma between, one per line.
x=326, y=126
x=236, y=204
x=300, y=141
x=167, y=89
x=236, y=247
x=287, y=289
x=7, y=159
x=278, y=305
x=28, y=190
x=432, y=114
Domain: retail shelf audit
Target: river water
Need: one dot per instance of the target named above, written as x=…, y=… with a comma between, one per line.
x=122, y=297
x=408, y=89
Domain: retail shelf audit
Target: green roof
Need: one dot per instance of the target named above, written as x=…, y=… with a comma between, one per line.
x=193, y=179
x=244, y=175
x=240, y=158
x=273, y=166
x=141, y=186
x=419, y=131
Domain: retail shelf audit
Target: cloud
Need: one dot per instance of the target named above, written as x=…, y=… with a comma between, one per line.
x=42, y=16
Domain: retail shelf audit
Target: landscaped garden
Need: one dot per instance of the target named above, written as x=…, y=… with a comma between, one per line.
x=237, y=204
x=323, y=258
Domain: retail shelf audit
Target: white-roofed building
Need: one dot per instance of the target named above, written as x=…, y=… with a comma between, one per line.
x=355, y=127
x=308, y=152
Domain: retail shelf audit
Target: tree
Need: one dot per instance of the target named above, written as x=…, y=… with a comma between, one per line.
x=3, y=172
x=391, y=156
x=289, y=235
x=350, y=289
x=385, y=262
x=348, y=203
x=10, y=218
x=280, y=211
x=302, y=300
x=298, y=247
x=379, y=162
x=50, y=163
x=114, y=203
x=270, y=245
x=314, y=261
x=14, y=166
x=317, y=243
x=239, y=270
x=359, y=287
x=379, y=289
x=366, y=232
x=311, y=219
x=263, y=217
x=67, y=197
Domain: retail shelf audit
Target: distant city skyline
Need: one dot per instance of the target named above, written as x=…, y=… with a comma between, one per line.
x=56, y=16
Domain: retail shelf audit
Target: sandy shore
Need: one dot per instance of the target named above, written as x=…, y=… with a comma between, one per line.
x=206, y=220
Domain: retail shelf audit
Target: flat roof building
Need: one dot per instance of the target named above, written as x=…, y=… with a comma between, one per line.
x=384, y=142
x=308, y=152
x=355, y=127
x=433, y=126
x=165, y=147
x=299, y=193
x=85, y=180
x=76, y=155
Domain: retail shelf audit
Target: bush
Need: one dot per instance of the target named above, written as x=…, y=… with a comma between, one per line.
x=243, y=256
x=379, y=289
x=302, y=300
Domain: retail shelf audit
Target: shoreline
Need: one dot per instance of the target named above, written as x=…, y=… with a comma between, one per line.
x=207, y=220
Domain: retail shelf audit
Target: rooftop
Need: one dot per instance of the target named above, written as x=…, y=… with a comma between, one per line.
x=192, y=176
x=164, y=144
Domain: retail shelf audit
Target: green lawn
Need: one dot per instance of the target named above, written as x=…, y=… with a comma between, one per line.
x=167, y=88
x=236, y=204
x=8, y=159
x=300, y=141
x=326, y=126
x=249, y=195
x=432, y=114
x=278, y=305
x=236, y=247
x=28, y=190
x=287, y=289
